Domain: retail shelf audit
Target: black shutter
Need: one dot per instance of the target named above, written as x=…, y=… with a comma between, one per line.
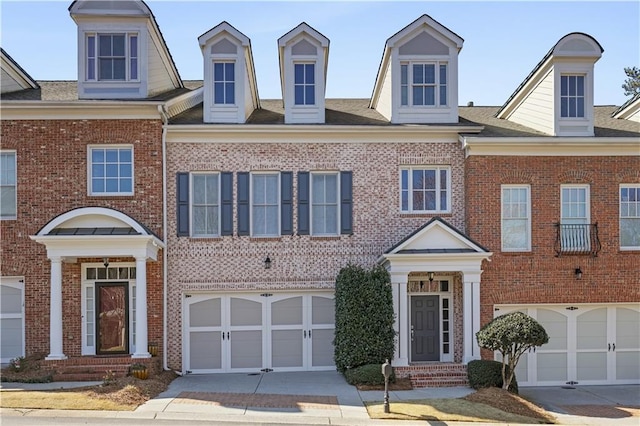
x=286, y=203
x=182, y=197
x=243, y=203
x=346, y=203
x=303, y=203
x=226, y=203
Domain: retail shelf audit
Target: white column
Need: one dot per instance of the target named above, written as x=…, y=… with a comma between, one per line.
x=471, y=307
x=142, y=349
x=401, y=325
x=55, y=311
x=395, y=291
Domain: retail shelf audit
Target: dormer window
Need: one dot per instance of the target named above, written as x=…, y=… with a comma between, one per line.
x=428, y=84
x=224, y=86
x=305, y=84
x=112, y=57
x=572, y=96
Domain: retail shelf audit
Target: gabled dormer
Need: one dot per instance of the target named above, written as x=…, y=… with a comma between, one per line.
x=557, y=96
x=417, y=81
x=304, y=54
x=121, y=51
x=14, y=78
x=230, y=89
x=630, y=110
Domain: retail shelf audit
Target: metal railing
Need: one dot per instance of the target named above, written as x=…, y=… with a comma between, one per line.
x=577, y=239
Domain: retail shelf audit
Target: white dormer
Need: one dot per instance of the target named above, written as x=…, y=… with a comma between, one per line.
x=304, y=54
x=630, y=110
x=14, y=78
x=230, y=89
x=417, y=81
x=557, y=96
x=121, y=52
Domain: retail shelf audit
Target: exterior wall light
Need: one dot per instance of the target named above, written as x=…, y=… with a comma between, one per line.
x=578, y=273
x=431, y=277
x=105, y=262
x=267, y=262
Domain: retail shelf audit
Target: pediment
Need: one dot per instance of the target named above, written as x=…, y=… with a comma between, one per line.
x=436, y=236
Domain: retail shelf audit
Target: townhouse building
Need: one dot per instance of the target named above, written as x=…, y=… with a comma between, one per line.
x=219, y=221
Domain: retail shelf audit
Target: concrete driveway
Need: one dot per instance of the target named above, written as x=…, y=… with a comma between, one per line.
x=589, y=405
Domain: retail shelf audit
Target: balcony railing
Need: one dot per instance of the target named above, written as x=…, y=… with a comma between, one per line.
x=577, y=239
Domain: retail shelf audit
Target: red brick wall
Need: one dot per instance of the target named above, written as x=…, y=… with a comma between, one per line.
x=539, y=276
x=52, y=179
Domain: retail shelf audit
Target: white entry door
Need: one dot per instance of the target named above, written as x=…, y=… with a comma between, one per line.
x=11, y=318
x=258, y=332
x=588, y=345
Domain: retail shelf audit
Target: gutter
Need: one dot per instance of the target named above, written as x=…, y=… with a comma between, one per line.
x=165, y=257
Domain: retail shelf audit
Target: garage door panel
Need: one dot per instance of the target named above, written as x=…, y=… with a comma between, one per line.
x=591, y=329
x=287, y=311
x=246, y=349
x=11, y=338
x=245, y=312
x=10, y=300
x=591, y=366
x=552, y=367
x=322, y=348
x=556, y=326
x=205, y=350
x=627, y=329
x=207, y=313
x=323, y=310
x=628, y=365
x=286, y=348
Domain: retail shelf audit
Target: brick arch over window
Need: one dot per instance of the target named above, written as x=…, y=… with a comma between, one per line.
x=575, y=176
x=117, y=135
x=629, y=176
x=516, y=176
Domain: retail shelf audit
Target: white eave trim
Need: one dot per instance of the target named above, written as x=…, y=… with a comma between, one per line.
x=71, y=110
x=551, y=146
x=282, y=133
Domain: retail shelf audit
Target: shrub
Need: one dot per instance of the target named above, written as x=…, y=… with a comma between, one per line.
x=512, y=335
x=370, y=374
x=484, y=373
x=364, y=318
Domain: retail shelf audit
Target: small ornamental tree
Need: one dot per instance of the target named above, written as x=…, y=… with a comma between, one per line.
x=364, y=317
x=512, y=335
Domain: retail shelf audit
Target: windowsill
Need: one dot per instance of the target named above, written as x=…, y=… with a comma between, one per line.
x=111, y=196
x=325, y=238
x=205, y=239
x=424, y=214
x=628, y=249
x=256, y=239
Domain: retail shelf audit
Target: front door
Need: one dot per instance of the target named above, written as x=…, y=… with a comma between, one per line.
x=425, y=330
x=112, y=318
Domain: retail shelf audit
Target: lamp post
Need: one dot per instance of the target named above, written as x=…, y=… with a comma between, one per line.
x=386, y=372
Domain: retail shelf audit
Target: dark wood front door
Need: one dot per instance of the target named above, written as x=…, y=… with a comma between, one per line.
x=112, y=318
x=425, y=328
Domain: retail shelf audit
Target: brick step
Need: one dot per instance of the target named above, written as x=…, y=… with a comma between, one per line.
x=435, y=383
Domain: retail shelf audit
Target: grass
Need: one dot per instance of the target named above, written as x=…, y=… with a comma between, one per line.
x=58, y=400
x=487, y=405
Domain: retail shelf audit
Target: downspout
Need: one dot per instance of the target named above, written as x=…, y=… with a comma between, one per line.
x=165, y=257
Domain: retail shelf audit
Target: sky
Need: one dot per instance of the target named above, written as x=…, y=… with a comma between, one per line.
x=503, y=41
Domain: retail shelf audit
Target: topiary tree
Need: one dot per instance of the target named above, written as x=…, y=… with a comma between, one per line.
x=364, y=317
x=512, y=335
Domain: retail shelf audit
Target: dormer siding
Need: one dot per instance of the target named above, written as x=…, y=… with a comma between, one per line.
x=533, y=111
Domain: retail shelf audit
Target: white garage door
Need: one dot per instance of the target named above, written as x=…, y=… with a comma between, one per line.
x=258, y=332
x=11, y=318
x=588, y=344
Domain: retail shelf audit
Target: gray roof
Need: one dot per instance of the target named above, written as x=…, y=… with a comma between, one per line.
x=67, y=90
x=94, y=231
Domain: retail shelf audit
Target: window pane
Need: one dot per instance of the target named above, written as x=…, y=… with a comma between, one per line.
x=111, y=155
x=271, y=189
x=212, y=189
x=331, y=185
x=111, y=185
x=218, y=93
x=97, y=185
x=404, y=177
x=299, y=73
x=125, y=155
x=318, y=220
x=580, y=85
x=112, y=170
x=430, y=95
x=443, y=74
x=572, y=85
x=405, y=201
x=105, y=73
x=271, y=220
x=310, y=96
x=630, y=232
x=418, y=98
x=430, y=179
x=259, y=227
x=299, y=95
x=229, y=68
x=404, y=71
x=218, y=71
x=443, y=179
x=104, y=47
x=564, y=83
x=430, y=200
x=580, y=107
x=91, y=47
x=514, y=234
x=418, y=74
x=310, y=77
x=443, y=95
x=125, y=170
x=133, y=46
x=572, y=107
x=430, y=74
x=134, y=69
x=443, y=200
x=91, y=69
x=418, y=179
x=199, y=189
x=199, y=220
x=317, y=188
x=8, y=206
x=230, y=92
x=332, y=220
x=126, y=185
x=564, y=107
x=404, y=95
x=418, y=200
x=119, y=69
x=118, y=45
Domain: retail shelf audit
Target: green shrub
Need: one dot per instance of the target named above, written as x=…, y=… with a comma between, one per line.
x=364, y=318
x=484, y=373
x=370, y=374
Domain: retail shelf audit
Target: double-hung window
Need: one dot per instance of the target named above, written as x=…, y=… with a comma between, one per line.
x=112, y=57
x=205, y=204
x=265, y=204
x=425, y=189
x=8, y=185
x=111, y=170
x=224, y=86
x=423, y=84
x=572, y=96
x=574, y=218
x=630, y=216
x=516, y=218
x=324, y=204
x=304, y=85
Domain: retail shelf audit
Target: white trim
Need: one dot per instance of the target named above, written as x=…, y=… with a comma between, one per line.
x=338, y=201
x=279, y=205
x=637, y=217
x=587, y=202
x=81, y=110
x=90, y=191
x=528, y=218
x=15, y=185
x=437, y=189
x=191, y=198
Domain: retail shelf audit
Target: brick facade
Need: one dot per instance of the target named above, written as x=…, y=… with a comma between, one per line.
x=52, y=179
x=300, y=262
x=539, y=276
